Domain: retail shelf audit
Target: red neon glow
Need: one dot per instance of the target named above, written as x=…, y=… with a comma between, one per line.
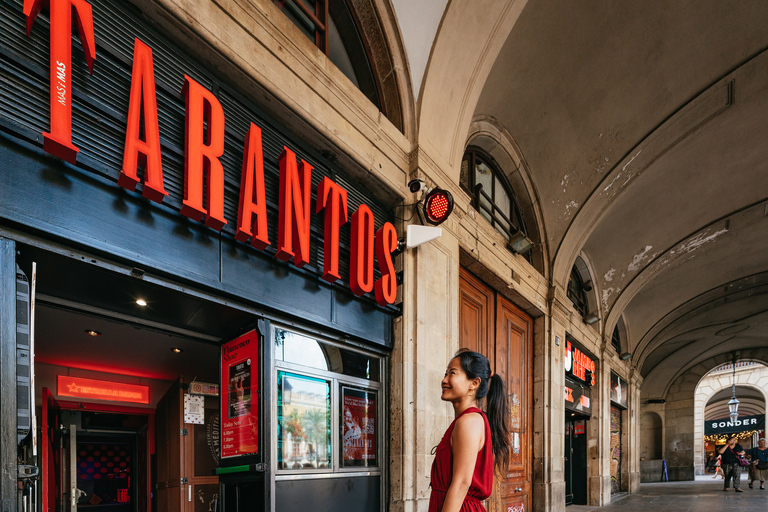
x=102, y=390
x=386, y=243
x=334, y=199
x=293, y=219
x=361, y=252
x=253, y=201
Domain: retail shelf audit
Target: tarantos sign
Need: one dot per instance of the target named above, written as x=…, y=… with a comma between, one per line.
x=204, y=136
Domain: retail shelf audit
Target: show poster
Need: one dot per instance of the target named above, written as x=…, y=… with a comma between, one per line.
x=359, y=428
x=239, y=398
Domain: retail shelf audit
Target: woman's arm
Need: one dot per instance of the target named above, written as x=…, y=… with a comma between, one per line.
x=467, y=439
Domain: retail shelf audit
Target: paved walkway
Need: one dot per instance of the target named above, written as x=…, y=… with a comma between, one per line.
x=702, y=495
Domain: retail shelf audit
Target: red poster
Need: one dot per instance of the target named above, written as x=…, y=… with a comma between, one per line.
x=239, y=398
x=359, y=428
x=579, y=428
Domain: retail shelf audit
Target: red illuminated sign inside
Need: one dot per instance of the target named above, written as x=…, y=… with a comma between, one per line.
x=203, y=172
x=577, y=363
x=102, y=390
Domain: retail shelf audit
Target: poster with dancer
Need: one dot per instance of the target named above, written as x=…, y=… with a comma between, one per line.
x=239, y=401
x=359, y=428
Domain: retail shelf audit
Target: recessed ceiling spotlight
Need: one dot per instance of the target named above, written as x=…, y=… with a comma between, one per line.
x=92, y=332
x=177, y=350
x=141, y=302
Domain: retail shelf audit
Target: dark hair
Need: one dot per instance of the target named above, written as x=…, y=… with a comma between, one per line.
x=492, y=389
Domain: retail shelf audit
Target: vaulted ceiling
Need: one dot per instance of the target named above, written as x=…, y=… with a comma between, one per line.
x=645, y=129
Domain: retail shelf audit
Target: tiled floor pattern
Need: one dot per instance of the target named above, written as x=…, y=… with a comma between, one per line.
x=702, y=495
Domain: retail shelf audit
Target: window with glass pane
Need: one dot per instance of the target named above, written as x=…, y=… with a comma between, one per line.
x=296, y=348
x=304, y=422
x=359, y=428
x=576, y=291
x=491, y=194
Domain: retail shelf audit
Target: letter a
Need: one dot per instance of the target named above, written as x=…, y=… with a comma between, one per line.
x=58, y=141
x=252, y=195
x=145, y=151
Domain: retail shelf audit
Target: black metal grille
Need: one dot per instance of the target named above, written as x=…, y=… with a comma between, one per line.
x=100, y=104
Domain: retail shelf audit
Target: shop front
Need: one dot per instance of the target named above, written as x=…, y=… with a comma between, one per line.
x=580, y=377
x=619, y=398
x=210, y=300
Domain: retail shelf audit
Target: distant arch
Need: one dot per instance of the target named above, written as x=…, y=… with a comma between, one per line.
x=651, y=436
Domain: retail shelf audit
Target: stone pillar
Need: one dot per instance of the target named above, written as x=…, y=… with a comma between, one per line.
x=549, y=407
x=599, y=441
x=427, y=337
x=633, y=431
x=678, y=428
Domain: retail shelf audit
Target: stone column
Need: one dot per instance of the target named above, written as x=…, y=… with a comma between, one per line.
x=427, y=337
x=549, y=407
x=599, y=441
x=633, y=431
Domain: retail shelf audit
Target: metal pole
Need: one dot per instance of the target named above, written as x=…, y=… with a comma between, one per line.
x=33, y=423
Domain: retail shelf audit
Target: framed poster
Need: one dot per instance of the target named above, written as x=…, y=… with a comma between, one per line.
x=359, y=428
x=239, y=397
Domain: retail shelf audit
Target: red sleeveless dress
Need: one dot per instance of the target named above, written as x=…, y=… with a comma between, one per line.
x=442, y=471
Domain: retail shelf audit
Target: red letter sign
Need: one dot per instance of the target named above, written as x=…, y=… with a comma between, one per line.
x=136, y=150
x=334, y=199
x=361, y=252
x=59, y=141
x=293, y=223
x=252, y=196
x=203, y=156
x=386, y=286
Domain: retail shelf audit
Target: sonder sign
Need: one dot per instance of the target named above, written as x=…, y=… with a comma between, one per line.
x=726, y=426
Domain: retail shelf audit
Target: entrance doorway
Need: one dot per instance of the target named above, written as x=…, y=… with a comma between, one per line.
x=576, y=461
x=495, y=327
x=93, y=458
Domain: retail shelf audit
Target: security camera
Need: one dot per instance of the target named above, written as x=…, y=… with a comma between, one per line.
x=416, y=185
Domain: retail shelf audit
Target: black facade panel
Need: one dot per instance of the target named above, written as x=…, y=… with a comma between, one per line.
x=83, y=204
x=358, y=494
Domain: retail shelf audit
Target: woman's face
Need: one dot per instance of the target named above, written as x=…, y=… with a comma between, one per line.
x=761, y=444
x=455, y=384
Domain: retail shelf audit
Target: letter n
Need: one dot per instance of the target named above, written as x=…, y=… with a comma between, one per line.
x=147, y=151
x=202, y=154
x=386, y=285
x=293, y=222
x=253, y=201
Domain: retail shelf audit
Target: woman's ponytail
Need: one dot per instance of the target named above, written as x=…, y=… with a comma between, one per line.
x=497, y=413
x=492, y=389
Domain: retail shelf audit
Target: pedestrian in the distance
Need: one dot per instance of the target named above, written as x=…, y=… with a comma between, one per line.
x=718, y=468
x=759, y=463
x=462, y=473
x=732, y=453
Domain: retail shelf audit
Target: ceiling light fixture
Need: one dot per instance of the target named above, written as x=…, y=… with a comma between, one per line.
x=91, y=332
x=591, y=319
x=733, y=404
x=177, y=350
x=626, y=355
x=141, y=302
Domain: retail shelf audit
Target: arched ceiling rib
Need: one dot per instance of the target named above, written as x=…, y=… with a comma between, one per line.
x=644, y=127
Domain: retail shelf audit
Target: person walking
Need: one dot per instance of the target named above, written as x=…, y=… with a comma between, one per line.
x=718, y=468
x=759, y=463
x=463, y=469
x=731, y=453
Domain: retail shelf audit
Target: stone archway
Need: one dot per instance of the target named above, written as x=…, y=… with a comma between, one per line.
x=710, y=385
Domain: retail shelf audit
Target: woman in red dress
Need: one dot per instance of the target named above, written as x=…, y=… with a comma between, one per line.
x=462, y=473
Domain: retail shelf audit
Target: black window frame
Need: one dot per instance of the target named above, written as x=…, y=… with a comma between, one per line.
x=576, y=292
x=473, y=155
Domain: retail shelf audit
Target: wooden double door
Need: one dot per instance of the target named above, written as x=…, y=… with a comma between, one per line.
x=494, y=326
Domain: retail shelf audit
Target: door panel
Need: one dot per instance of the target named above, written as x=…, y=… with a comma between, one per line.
x=513, y=362
x=492, y=325
x=476, y=306
x=50, y=450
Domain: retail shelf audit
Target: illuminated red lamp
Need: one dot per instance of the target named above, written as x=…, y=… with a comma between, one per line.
x=102, y=390
x=438, y=205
